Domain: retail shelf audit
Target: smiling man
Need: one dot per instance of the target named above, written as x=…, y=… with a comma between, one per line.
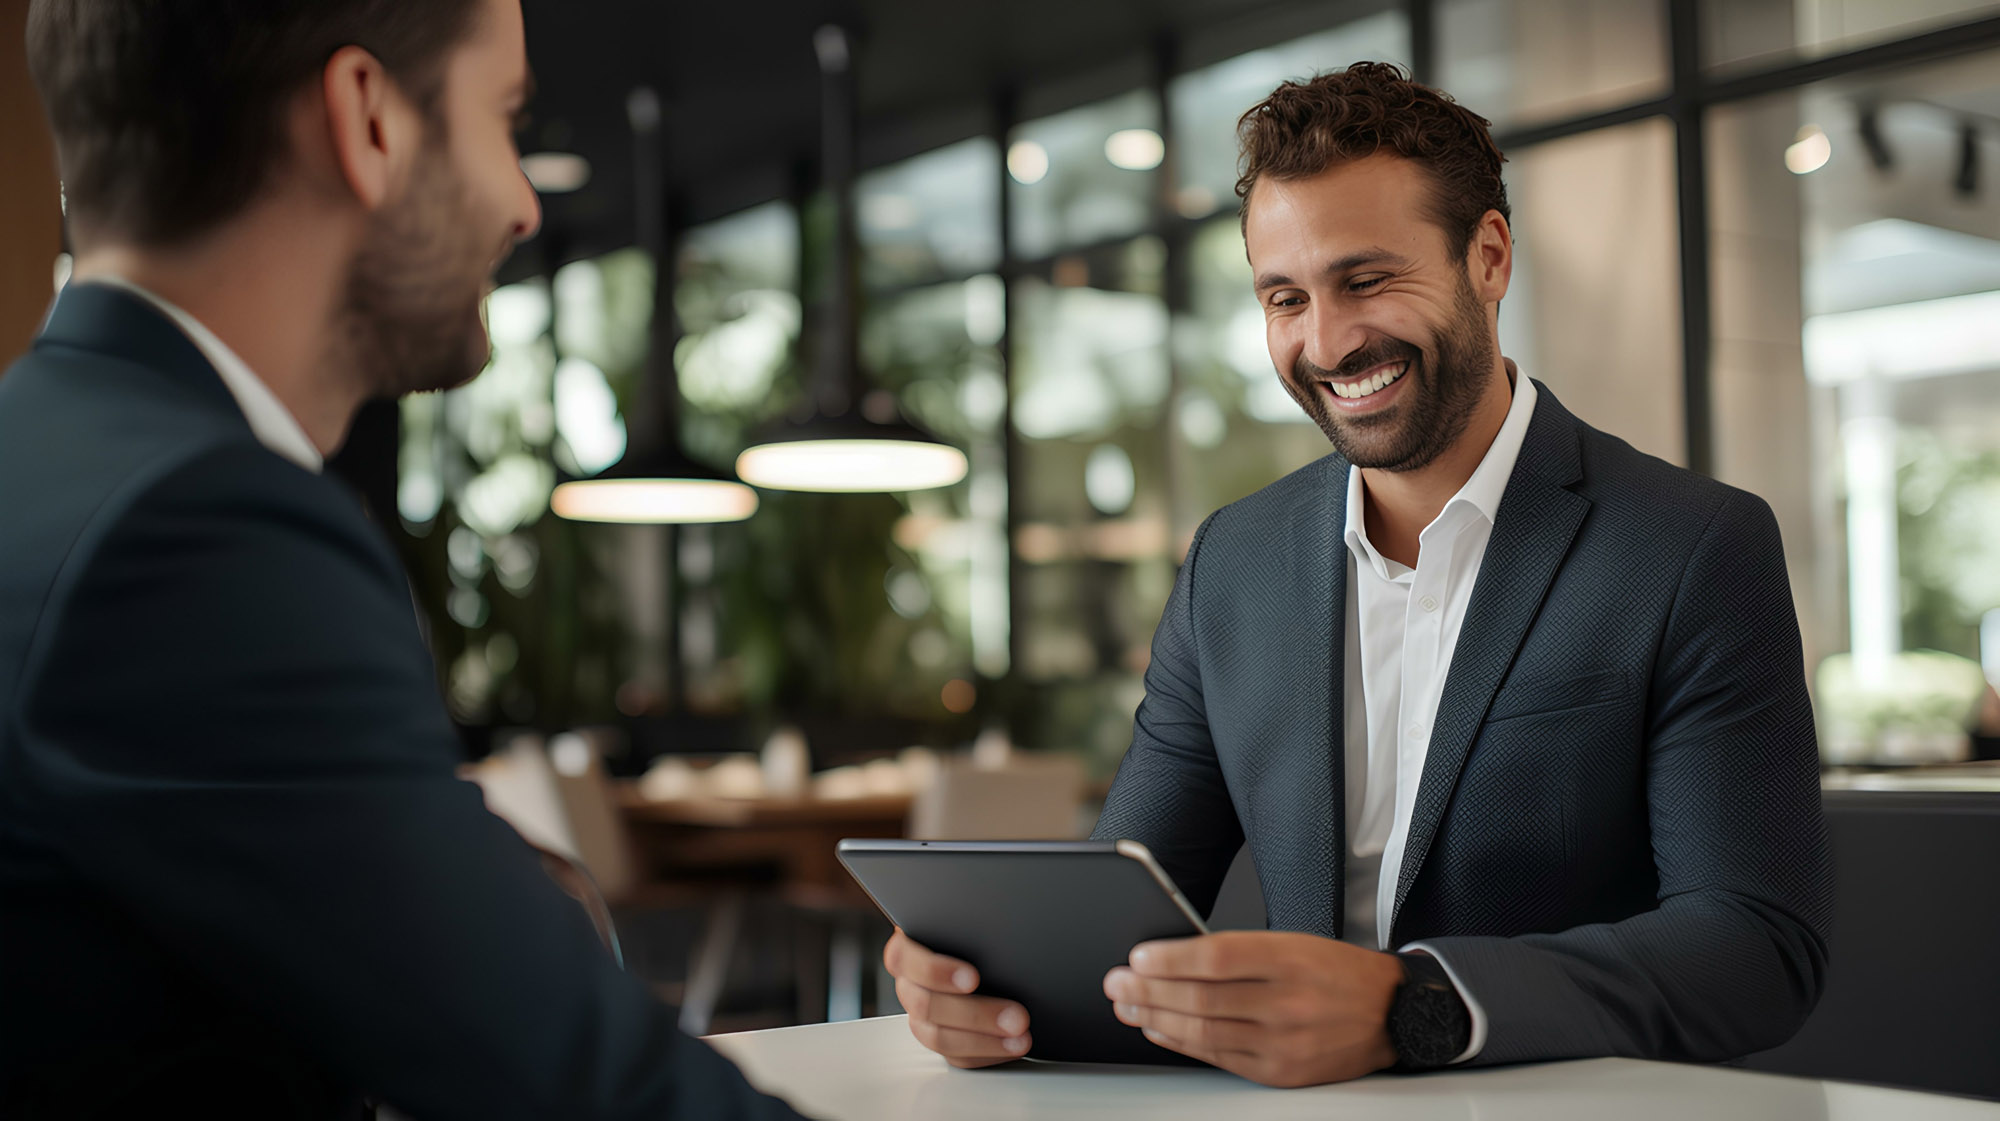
x=238, y=875
x=1512, y=717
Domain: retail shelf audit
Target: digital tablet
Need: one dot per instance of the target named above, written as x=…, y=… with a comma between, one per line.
x=1043, y=921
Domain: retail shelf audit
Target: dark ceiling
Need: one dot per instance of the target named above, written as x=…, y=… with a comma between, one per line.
x=740, y=86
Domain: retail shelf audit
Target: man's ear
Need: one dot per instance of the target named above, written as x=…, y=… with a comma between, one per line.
x=373, y=132
x=1490, y=258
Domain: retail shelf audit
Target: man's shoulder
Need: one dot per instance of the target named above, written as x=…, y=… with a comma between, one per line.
x=1301, y=496
x=1626, y=484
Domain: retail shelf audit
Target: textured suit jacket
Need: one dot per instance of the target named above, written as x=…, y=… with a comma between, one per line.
x=1617, y=841
x=237, y=874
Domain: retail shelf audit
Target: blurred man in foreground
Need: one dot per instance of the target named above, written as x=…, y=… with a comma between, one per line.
x=238, y=877
x=1486, y=687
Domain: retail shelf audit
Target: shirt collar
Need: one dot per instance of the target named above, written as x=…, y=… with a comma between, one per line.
x=1481, y=492
x=272, y=424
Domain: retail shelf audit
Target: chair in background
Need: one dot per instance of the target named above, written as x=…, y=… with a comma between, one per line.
x=561, y=801
x=1025, y=798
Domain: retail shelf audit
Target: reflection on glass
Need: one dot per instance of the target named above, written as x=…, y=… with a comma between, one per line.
x=1235, y=427
x=1067, y=191
x=737, y=295
x=1520, y=61
x=1857, y=386
x=1593, y=308
x=1095, y=536
x=937, y=350
x=1206, y=103
x=933, y=217
x=1771, y=32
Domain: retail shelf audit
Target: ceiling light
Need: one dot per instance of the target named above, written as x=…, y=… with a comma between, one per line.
x=654, y=501
x=555, y=173
x=1809, y=151
x=1027, y=162
x=853, y=440
x=1135, y=149
x=847, y=465
x=654, y=482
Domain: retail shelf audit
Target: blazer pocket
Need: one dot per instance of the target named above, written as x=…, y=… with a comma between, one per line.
x=1539, y=693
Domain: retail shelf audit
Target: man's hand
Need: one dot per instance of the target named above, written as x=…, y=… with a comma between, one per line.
x=969, y=1031
x=1281, y=1009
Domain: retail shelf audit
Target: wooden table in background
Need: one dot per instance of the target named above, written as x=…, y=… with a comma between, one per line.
x=711, y=836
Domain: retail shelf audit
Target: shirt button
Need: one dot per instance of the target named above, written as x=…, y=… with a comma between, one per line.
x=1430, y=603
x=1416, y=731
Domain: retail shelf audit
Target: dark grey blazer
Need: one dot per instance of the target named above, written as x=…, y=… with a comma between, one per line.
x=238, y=877
x=1617, y=841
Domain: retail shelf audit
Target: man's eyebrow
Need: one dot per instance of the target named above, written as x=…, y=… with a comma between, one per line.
x=1374, y=255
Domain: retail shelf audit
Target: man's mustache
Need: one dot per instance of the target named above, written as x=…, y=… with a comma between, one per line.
x=1359, y=362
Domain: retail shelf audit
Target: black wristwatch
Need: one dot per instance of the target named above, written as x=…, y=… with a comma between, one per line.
x=1429, y=1025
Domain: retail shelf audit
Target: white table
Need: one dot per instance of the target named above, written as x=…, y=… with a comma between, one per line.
x=872, y=1070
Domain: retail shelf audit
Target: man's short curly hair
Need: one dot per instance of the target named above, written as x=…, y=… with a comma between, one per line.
x=1306, y=127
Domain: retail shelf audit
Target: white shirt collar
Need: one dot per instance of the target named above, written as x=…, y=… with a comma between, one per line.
x=273, y=424
x=1481, y=492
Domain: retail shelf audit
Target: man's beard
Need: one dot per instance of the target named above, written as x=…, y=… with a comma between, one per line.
x=410, y=316
x=1436, y=407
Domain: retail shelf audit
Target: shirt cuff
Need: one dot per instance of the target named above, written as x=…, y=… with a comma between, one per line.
x=1478, y=1041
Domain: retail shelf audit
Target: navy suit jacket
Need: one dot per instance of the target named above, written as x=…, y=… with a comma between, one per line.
x=1617, y=842
x=237, y=874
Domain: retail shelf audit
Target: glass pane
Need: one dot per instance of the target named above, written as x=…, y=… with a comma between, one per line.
x=1857, y=388
x=937, y=350
x=476, y=467
x=737, y=295
x=1594, y=307
x=1207, y=102
x=1095, y=539
x=1235, y=427
x=1084, y=176
x=1756, y=33
x=1516, y=62
x=933, y=217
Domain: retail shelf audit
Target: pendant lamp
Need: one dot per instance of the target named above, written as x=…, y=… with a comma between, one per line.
x=658, y=483
x=843, y=446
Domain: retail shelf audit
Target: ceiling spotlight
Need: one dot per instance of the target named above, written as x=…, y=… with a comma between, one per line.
x=1135, y=149
x=555, y=173
x=1808, y=151
x=1027, y=162
x=1967, y=182
x=1870, y=127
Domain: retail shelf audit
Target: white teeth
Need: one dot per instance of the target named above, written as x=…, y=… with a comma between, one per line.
x=1372, y=385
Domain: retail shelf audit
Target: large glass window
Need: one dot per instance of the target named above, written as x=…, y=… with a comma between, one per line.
x=933, y=217
x=1857, y=382
x=1206, y=103
x=1593, y=308
x=1085, y=175
x=1522, y=61
x=1768, y=32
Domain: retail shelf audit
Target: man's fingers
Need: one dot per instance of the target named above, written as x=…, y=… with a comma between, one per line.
x=955, y=1044
x=1232, y=1000
x=905, y=958
x=1193, y=1033
x=1231, y=956
x=986, y=1015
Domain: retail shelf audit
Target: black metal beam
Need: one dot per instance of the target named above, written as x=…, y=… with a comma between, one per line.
x=1691, y=180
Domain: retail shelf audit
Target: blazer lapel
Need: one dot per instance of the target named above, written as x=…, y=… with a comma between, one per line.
x=1298, y=794
x=1537, y=521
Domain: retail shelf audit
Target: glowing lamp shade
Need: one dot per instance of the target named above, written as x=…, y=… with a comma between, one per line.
x=653, y=501
x=851, y=465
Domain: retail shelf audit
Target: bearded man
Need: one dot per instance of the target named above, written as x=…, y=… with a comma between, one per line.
x=238, y=876
x=1512, y=717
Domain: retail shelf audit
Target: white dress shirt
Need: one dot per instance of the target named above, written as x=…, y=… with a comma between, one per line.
x=273, y=424
x=1402, y=626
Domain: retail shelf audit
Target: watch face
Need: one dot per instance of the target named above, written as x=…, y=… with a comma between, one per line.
x=1428, y=1022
